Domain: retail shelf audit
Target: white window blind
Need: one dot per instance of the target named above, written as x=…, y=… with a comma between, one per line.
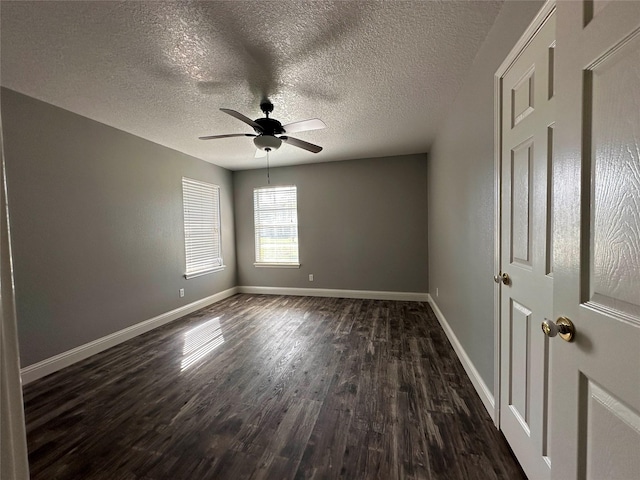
x=276, y=225
x=201, y=203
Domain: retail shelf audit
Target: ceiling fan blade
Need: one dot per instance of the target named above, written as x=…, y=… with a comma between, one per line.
x=301, y=144
x=304, y=125
x=260, y=153
x=228, y=135
x=242, y=118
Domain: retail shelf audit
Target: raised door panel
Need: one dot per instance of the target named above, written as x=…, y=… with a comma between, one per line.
x=521, y=179
x=522, y=97
x=615, y=212
x=612, y=436
x=520, y=374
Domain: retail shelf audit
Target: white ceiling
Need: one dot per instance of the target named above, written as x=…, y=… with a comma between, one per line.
x=380, y=74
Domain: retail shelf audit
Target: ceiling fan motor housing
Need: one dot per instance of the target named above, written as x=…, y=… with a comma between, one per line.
x=269, y=126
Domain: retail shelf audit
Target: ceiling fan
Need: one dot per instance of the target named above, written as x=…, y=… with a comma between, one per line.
x=270, y=133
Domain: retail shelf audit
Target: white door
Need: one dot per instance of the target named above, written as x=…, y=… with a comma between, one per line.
x=595, y=386
x=528, y=114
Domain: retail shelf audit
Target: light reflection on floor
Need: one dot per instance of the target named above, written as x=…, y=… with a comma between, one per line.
x=201, y=341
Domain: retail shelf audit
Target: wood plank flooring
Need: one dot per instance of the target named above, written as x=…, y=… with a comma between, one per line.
x=270, y=387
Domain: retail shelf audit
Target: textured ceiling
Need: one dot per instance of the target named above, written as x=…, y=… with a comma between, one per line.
x=380, y=74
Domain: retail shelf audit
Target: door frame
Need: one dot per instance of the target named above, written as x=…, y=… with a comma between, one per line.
x=539, y=20
x=14, y=463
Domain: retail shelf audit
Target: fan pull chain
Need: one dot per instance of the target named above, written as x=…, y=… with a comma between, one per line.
x=268, y=178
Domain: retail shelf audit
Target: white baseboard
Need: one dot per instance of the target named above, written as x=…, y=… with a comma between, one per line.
x=330, y=292
x=64, y=359
x=483, y=391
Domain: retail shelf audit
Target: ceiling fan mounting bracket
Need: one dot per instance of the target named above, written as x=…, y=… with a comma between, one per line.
x=267, y=107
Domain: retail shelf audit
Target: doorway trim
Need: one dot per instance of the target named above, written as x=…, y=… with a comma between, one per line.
x=513, y=55
x=14, y=461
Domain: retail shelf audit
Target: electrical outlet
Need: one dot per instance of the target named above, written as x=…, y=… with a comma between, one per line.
x=311, y=277
x=181, y=292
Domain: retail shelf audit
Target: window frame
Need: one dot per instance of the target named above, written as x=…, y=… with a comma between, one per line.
x=259, y=262
x=197, y=191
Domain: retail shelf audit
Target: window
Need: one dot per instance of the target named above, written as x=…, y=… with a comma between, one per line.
x=201, y=203
x=276, y=226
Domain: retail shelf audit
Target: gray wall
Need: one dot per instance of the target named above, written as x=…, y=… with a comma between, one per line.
x=461, y=189
x=362, y=225
x=97, y=227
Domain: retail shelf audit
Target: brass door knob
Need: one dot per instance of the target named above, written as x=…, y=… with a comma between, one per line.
x=506, y=279
x=563, y=327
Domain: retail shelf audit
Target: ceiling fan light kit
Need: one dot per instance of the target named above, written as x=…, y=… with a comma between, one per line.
x=267, y=129
x=267, y=143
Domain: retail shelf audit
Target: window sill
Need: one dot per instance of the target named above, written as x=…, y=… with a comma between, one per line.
x=277, y=265
x=204, y=272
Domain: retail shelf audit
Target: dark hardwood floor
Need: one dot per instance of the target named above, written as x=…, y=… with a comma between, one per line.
x=270, y=387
